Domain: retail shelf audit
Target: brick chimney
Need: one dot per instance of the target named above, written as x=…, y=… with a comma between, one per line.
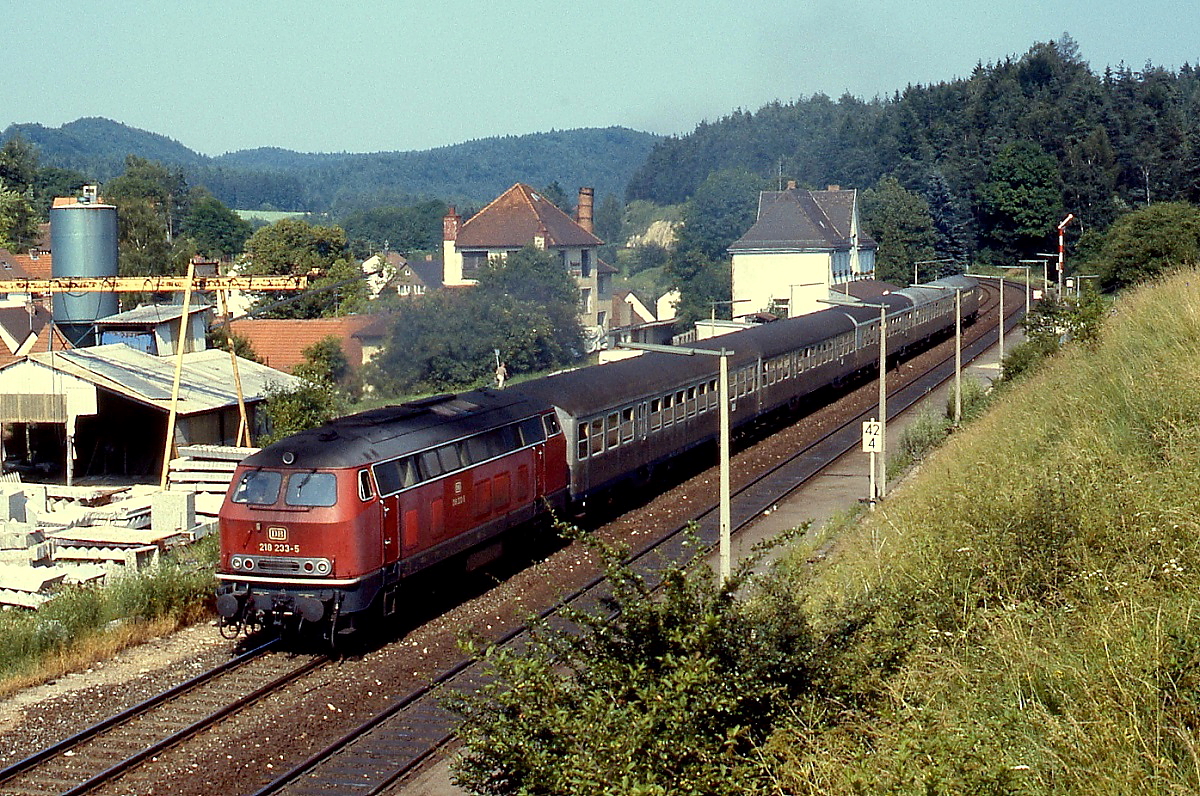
x=583, y=212
x=450, y=224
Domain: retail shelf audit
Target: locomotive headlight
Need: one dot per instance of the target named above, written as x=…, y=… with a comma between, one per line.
x=236, y=562
x=323, y=567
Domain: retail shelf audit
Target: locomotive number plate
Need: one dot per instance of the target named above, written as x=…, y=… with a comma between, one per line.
x=275, y=547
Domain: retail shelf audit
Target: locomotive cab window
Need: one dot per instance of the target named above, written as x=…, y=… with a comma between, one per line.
x=311, y=489
x=551, y=424
x=258, y=487
x=365, y=492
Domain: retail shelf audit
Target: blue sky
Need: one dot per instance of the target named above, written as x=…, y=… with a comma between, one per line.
x=358, y=76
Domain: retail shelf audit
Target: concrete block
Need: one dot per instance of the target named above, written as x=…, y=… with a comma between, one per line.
x=12, y=502
x=172, y=511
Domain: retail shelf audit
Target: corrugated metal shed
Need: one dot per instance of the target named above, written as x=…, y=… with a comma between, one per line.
x=206, y=382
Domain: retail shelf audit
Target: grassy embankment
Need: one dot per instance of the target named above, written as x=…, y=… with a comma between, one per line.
x=1024, y=617
x=83, y=624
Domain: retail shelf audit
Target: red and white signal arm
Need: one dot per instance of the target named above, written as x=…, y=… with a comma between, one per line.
x=872, y=438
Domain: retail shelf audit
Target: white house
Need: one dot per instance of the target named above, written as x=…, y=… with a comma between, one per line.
x=802, y=244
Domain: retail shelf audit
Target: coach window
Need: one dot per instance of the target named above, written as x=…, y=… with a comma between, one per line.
x=627, y=424
x=364, y=485
x=668, y=414
x=680, y=406
x=655, y=414
x=614, y=430
x=691, y=401
x=583, y=441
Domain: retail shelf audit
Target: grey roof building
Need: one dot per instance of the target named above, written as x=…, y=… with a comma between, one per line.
x=104, y=409
x=802, y=244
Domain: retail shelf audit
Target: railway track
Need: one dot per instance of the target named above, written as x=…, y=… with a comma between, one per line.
x=373, y=757
x=111, y=748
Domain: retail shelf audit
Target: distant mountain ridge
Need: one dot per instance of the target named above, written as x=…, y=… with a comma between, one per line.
x=274, y=178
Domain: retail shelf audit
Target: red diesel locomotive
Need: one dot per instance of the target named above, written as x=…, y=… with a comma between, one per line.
x=322, y=526
x=321, y=529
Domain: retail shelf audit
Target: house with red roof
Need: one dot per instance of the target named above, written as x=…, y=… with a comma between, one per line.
x=517, y=218
x=280, y=342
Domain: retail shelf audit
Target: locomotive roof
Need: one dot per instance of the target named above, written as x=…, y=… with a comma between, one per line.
x=380, y=434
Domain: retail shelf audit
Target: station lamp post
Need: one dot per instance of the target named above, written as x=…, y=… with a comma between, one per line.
x=957, y=346
x=883, y=308
x=1049, y=257
x=1028, y=265
x=723, y=398
x=1001, y=324
x=1079, y=282
x=916, y=280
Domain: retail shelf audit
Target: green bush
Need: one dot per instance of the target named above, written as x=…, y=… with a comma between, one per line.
x=674, y=695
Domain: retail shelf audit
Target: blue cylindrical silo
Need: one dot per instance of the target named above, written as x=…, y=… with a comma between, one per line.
x=83, y=242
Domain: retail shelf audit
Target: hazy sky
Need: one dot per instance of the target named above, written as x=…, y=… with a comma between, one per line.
x=357, y=76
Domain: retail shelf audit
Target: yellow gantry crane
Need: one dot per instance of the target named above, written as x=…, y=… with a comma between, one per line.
x=165, y=284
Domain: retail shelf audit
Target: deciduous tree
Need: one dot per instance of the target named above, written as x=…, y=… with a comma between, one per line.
x=295, y=247
x=900, y=223
x=1148, y=242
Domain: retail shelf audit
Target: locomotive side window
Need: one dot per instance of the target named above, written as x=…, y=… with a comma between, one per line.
x=430, y=465
x=258, y=487
x=311, y=489
x=551, y=423
x=387, y=475
x=478, y=449
x=532, y=431
x=450, y=456
x=364, y=485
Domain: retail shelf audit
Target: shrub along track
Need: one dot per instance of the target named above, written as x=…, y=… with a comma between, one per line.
x=248, y=752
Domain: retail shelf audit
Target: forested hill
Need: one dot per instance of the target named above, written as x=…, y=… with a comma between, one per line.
x=475, y=171
x=1097, y=142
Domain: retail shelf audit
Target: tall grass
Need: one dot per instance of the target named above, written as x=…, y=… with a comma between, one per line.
x=84, y=622
x=1025, y=617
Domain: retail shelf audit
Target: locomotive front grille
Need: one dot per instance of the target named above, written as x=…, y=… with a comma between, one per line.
x=282, y=565
x=285, y=566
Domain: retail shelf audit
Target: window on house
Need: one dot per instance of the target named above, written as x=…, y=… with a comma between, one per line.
x=472, y=263
x=585, y=299
x=585, y=263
